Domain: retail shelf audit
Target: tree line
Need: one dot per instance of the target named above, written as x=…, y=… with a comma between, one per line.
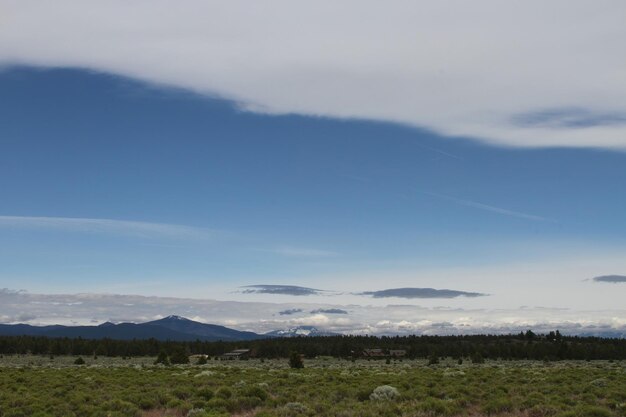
x=528, y=345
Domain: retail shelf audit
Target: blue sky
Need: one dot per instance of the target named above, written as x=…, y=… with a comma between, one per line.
x=189, y=153
x=274, y=198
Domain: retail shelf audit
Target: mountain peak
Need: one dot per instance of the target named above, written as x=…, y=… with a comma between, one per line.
x=299, y=331
x=175, y=317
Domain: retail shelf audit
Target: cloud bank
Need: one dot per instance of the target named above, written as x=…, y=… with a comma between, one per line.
x=290, y=311
x=329, y=311
x=280, y=289
x=421, y=293
x=73, y=309
x=502, y=72
x=614, y=279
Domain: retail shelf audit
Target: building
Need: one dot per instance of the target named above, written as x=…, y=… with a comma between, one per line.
x=373, y=353
x=397, y=353
x=236, y=354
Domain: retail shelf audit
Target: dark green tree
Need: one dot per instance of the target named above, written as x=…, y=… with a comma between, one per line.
x=162, y=359
x=295, y=360
x=179, y=356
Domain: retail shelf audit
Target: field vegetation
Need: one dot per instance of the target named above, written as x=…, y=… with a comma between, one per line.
x=38, y=385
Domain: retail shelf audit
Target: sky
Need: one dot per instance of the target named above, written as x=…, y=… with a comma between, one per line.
x=432, y=167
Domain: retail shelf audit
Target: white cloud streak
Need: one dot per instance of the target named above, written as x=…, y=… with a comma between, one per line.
x=486, y=207
x=502, y=72
x=104, y=226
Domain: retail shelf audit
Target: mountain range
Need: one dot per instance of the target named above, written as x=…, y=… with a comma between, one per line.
x=169, y=328
x=300, y=331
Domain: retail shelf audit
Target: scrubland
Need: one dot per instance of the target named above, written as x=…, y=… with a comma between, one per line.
x=37, y=386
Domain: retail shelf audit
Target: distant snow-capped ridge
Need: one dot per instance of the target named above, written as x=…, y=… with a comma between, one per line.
x=300, y=331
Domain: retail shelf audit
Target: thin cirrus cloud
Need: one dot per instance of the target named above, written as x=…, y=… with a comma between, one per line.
x=489, y=208
x=613, y=279
x=449, y=66
x=420, y=293
x=280, y=290
x=104, y=226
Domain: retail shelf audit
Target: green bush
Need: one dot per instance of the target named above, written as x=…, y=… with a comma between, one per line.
x=384, y=393
x=162, y=358
x=433, y=360
x=295, y=361
x=497, y=405
x=178, y=356
x=205, y=393
x=255, y=391
x=435, y=406
x=224, y=392
x=593, y=411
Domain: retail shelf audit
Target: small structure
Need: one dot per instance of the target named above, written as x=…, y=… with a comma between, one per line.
x=373, y=353
x=236, y=354
x=198, y=356
x=397, y=353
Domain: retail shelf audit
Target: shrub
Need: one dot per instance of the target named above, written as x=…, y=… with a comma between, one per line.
x=205, y=393
x=202, y=360
x=196, y=412
x=435, y=406
x=179, y=356
x=162, y=359
x=295, y=361
x=433, y=360
x=201, y=412
x=218, y=404
x=498, y=405
x=295, y=407
x=384, y=393
x=247, y=403
x=224, y=392
x=256, y=392
x=363, y=394
x=181, y=393
x=592, y=411
x=477, y=358
x=79, y=361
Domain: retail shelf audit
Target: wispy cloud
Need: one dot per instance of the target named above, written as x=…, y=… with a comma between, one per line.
x=420, y=293
x=486, y=207
x=280, y=289
x=104, y=226
x=613, y=279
